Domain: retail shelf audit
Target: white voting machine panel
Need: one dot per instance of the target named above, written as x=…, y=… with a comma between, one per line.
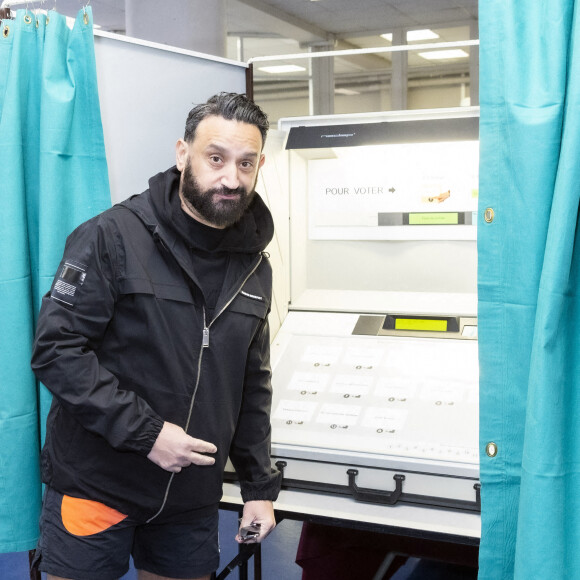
x=383, y=408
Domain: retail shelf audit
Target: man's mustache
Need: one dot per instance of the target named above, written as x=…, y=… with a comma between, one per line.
x=223, y=190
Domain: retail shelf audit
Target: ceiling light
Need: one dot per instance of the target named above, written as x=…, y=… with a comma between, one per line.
x=347, y=92
x=425, y=34
x=443, y=54
x=282, y=68
x=413, y=35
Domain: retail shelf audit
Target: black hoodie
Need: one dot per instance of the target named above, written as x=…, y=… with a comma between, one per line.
x=124, y=342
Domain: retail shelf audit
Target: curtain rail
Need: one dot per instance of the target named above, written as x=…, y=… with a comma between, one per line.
x=358, y=51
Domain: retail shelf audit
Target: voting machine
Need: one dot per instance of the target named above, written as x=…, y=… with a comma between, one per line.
x=375, y=365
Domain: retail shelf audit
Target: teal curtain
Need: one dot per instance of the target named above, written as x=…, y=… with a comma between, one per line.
x=53, y=176
x=529, y=285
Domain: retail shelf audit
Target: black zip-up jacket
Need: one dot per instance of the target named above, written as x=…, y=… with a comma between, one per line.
x=124, y=344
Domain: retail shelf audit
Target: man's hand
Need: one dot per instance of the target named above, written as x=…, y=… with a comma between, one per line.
x=260, y=513
x=175, y=449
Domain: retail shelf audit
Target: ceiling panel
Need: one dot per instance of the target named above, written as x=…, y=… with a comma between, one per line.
x=340, y=18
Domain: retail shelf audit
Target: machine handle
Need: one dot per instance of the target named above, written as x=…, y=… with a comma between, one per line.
x=381, y=497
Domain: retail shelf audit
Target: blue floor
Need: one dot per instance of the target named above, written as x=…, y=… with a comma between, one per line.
x=278, y=554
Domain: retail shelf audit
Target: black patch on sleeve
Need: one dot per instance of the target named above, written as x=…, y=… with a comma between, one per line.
x=70, y=279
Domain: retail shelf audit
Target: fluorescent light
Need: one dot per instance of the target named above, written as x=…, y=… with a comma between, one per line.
x=347, y=92
x=413, y=35
x=425, y=34
x=443, y=54
x=282, y=68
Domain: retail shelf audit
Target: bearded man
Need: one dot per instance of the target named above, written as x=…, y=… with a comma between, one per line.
x=154, y=342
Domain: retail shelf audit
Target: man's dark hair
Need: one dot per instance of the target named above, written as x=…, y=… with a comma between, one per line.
x=230, y=106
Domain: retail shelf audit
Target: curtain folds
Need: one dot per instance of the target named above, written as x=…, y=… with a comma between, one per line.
x=53, y=176
x=529, y=289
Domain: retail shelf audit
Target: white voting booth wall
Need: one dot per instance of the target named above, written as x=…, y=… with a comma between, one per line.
x=146, y=91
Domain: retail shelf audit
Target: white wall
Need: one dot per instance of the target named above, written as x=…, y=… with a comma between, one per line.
x=146, y=91
x=436, y=96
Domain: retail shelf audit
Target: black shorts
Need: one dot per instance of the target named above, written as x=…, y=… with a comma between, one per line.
x=87, y=540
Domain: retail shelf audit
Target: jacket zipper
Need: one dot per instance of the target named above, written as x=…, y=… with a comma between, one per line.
x=204, y=344
x=199, y=358
x=206, y=329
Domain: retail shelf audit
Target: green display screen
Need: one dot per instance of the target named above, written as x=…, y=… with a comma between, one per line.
x=433, y=219
x=421, y=324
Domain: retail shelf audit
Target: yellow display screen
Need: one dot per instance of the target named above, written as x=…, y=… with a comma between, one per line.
x=421, y=324
x=434, y=219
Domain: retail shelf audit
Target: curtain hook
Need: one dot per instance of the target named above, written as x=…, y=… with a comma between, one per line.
x=85, y=15
x=27, y=17
x=47, y=12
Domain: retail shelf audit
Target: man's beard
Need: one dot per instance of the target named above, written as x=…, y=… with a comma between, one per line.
x=221, y=213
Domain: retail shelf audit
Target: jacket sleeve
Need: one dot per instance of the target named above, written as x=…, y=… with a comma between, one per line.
x=73, y=320
x=250, y=450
